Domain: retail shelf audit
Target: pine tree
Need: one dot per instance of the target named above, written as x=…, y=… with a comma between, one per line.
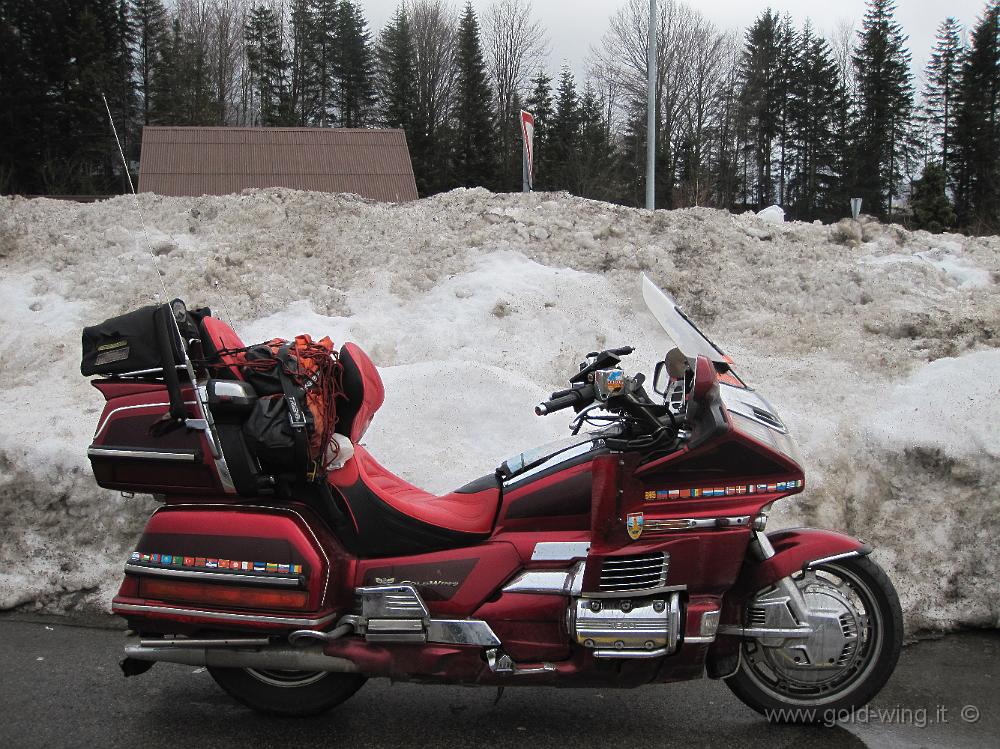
x=151, y=28
x=815, y=109
x=267, y=64
x=885, y=104
x=976, y=141
x=564, y=133
x=396, y=63
x=325, y=14
x=930, y=205
x=303, y=86
x=353, y=67
x=762, y=109
x=98, y=50
x=943, y=76
x=539, y=103
x=592, y=170
x=474, y=133
x=787, y=51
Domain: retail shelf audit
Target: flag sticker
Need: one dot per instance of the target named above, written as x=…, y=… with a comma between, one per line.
x=661, y=495
x=211, y=563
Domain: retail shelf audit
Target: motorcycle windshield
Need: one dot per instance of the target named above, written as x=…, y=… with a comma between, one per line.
x=684, y=334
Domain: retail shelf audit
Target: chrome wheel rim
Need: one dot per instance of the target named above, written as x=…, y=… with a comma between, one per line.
x=287, y=679
x=781, y=672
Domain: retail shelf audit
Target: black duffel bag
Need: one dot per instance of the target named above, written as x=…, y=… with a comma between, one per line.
x=127, y=343
x=134, y=341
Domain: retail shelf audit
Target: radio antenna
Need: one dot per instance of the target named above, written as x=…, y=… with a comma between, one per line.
x=135, y=197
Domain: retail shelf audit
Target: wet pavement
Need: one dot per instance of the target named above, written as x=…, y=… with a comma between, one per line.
x=61, y=686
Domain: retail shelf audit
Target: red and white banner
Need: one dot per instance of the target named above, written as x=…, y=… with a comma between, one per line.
x=528, y=137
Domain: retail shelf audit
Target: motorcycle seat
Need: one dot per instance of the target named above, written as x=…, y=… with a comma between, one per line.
x=392, y=516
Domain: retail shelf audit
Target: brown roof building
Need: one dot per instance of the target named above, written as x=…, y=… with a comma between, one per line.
x=195, y=161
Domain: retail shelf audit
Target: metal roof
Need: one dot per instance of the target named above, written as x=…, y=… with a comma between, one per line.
x=194, y=161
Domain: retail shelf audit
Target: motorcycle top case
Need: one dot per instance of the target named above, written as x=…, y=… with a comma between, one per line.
x=126, y=456
x=131, y=342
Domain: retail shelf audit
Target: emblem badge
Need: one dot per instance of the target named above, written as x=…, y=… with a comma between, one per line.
x=633, y=524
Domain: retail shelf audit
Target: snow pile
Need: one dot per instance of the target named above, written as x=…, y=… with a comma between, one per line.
x=876, y=345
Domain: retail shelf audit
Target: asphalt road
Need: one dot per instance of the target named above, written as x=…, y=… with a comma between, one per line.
x=60, y=686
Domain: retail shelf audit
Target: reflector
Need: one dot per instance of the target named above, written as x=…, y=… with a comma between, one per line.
x=222, y=595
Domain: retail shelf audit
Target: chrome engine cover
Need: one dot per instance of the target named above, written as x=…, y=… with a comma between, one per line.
x=627, y=627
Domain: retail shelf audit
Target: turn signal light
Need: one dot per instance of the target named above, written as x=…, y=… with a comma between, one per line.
x=222, y=595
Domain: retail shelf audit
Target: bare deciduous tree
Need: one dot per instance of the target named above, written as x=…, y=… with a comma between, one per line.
x=842, y=43
x=229, y=16
x=619, y=63
x=711, y=60
x=516, y=46
x=434, y=26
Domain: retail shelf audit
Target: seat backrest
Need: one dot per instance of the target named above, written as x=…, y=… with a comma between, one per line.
x=217, y=335
x=363, y=389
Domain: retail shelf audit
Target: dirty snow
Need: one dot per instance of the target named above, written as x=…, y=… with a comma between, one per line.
x=877, y=345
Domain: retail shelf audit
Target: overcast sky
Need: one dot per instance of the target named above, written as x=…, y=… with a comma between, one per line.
x=574, y=25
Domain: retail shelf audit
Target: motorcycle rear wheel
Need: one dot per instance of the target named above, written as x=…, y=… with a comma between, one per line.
x=287, y=693
x=777, y=683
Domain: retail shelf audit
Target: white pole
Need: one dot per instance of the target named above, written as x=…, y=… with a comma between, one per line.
x=651, y=110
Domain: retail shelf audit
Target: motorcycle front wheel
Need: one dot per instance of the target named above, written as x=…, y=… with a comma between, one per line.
x=843, y=665
x=287, y=693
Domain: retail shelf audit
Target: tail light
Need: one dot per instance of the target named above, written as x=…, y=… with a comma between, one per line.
x=222, y=595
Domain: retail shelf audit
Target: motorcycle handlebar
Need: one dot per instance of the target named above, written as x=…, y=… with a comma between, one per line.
x=565, y=399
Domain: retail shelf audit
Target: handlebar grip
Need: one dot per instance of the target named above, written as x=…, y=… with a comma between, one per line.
x=623, y=351
x=572, y=398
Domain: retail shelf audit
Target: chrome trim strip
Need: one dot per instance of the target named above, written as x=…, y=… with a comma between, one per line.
x=224, y=577
x=700, y=640
x=552, y=551
x=326, y=582
x=378, y=626
x=140, y=372
x=138, y=608
x=106, y=452
x=636, y=593
x=757, y=632
x=461, y=632
x=540, y=581
x=832, y=558
x=646, y=654
x=666, y=525
x=206, y=642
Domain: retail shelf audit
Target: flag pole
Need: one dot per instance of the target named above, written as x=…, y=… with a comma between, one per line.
x=651, y=109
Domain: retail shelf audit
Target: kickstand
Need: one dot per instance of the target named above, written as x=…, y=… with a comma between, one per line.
x=499, y=695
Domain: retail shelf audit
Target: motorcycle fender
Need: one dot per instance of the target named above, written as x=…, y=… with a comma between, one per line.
x=795, y=550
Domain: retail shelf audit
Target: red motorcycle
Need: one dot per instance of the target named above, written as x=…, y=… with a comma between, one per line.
x=632, y=552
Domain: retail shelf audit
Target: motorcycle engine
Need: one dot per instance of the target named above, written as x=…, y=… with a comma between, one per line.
x=626, y=627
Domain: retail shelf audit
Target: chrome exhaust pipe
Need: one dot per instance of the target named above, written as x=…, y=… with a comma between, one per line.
x=276, y=657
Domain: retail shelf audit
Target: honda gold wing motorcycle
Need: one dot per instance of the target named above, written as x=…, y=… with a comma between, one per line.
x=632, y=552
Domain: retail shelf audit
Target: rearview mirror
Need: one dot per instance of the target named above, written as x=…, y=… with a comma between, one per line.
x=674, y=365
x=659, y=386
